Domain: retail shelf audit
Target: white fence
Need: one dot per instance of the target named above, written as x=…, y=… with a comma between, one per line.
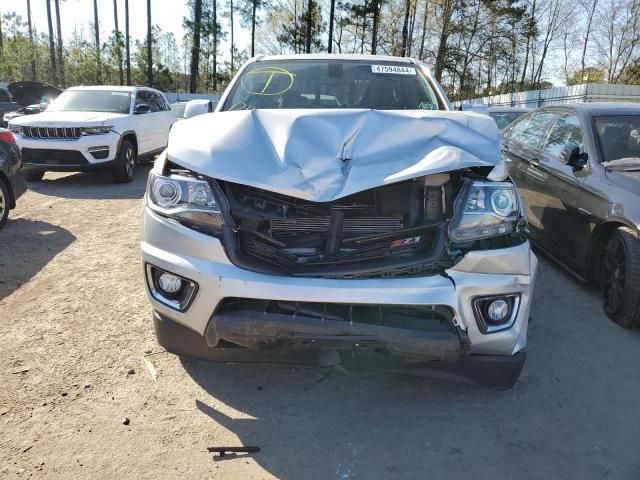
x=586, y=92
x=173, y=97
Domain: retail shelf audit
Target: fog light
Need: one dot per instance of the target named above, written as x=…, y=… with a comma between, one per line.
x=169, y=283
x=170, y=289
x=497, y=310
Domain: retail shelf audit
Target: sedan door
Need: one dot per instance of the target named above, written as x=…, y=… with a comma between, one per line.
x=520, y=151
x=554, y=189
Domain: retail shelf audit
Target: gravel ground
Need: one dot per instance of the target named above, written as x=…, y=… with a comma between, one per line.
x=75, y=328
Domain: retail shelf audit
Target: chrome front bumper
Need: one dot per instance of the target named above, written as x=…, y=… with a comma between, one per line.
x=201, y=258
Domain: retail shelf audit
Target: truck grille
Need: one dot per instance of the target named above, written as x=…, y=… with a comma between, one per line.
x=56, y=133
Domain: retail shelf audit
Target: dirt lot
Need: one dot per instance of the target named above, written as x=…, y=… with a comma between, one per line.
x=75, y=325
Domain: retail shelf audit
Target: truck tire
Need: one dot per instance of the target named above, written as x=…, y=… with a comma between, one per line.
x=125, y=165
x=5, y=199
x=621, y=278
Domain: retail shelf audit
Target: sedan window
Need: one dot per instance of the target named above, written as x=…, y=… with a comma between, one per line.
x=566, y=130
x=530, y=129
x=619, y=136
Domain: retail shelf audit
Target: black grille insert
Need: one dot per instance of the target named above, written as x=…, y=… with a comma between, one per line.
x=36, y=156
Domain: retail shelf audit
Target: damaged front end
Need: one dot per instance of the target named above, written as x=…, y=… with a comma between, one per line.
x=318, y=264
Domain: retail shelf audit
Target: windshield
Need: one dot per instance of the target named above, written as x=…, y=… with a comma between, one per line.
x=619, y=136
x=178, y=109
x=92, y=101
x=504, y=119
x=332, y=84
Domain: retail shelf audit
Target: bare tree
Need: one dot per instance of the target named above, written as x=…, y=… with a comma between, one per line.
x=620, y=31
x=195, y=45
x=33, y=50
x=332, y=12
x=52, y=51
x=589, y=7
x=447, y=8
x=127, y=41
x=118, y=42
x=59, y=38
x=96, y=28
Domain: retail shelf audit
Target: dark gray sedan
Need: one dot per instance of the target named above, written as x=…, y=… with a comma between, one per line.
x=12, y=183
x=577, y=168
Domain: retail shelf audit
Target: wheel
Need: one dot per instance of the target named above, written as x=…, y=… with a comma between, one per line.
x=621, y=278
x=125, y=165
x=4, y=203
x=33, y=175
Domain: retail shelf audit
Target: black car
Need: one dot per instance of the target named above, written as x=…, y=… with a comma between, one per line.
x=12, y=183
x=31, y=98
x=577, y=168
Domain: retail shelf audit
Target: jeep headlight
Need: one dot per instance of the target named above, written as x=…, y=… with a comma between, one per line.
x=15, y=128
x=187, y=199
x=485, y=209
x=97, y=130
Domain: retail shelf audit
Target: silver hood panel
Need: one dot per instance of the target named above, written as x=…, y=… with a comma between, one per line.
x=322, y=155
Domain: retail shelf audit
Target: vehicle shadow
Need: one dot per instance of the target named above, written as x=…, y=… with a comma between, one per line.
x=311, y=422
x=91, y=185
x=26, y=246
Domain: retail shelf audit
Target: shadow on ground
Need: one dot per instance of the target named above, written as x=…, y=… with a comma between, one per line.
x=93, y=185
x=26, y=246
x=569, y=415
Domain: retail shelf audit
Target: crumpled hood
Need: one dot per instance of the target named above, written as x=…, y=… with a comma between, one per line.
x=67, y=119
x=322, y=155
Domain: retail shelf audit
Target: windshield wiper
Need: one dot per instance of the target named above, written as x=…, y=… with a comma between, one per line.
x=629, y=164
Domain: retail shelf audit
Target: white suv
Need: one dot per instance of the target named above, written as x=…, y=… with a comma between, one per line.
x=88, y=128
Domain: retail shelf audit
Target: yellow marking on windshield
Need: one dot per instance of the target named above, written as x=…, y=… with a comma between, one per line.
x=271, y=73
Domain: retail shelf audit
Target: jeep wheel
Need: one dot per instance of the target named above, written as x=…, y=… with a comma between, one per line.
x=33, y=175
x=4, y=203
x=125, y=165
x=621, y=278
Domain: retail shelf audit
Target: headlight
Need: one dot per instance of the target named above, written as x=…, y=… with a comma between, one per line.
x=189, y=200
x=15, y=128
x=485, y=209
x=96, y=130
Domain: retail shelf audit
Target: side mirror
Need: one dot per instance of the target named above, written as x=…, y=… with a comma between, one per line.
x=572, y=156
x=141, y=108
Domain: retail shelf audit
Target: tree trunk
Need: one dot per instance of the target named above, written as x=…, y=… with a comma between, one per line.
x=586, y=38
x=424, y=28
x=127, y=41
x=253, y=27
x=374, y=27
x=33, y=50
x=331, y=15
x=52, y=51
x=447, y=11
x=97, y=33
x=215, y=45
x=412, y=24
x=405, y=28
x=232, y=45
x=59, y=49
x=309, y=22
x=149, y=46
x=118, y=42
x=195, y=46
x=2, y=38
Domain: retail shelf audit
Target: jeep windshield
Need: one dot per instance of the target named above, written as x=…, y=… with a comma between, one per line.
x=92, y=101
x=367, y=84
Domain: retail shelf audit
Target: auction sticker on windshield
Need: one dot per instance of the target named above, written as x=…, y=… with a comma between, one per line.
x=397, y=69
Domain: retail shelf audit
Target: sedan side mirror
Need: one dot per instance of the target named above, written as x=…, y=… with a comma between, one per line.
x=572, y=156
x=141, y=108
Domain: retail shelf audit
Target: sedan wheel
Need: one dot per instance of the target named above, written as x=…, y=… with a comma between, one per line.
x=4, y=203
x=621, y=278
x=615, y=264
